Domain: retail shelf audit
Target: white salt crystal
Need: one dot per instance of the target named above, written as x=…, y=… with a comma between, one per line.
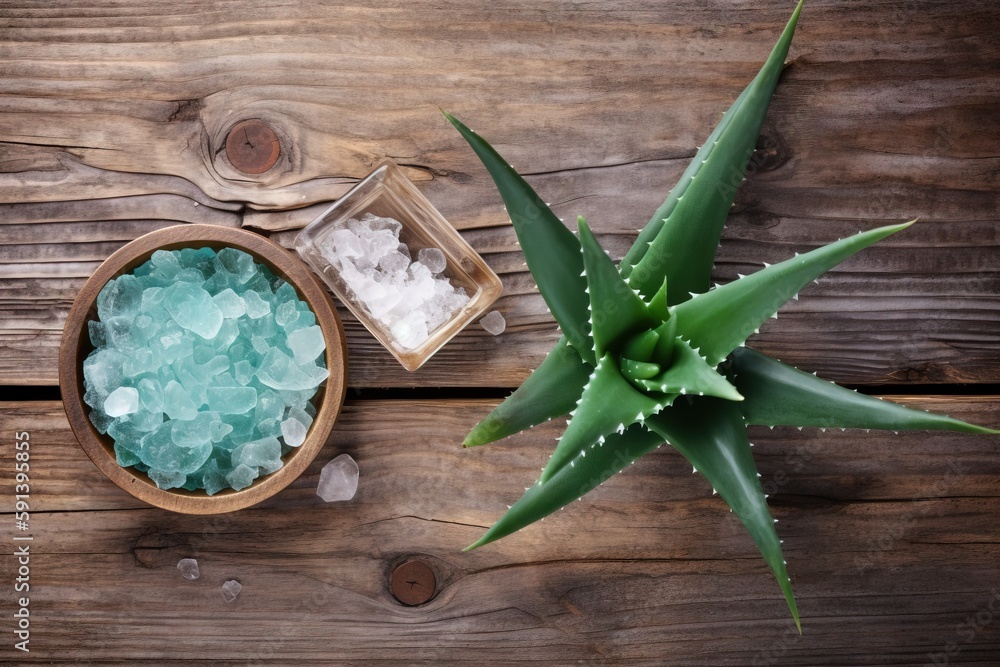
x=435, y=318
x=411, y=330
x=419, y=286
x=370, y=290
x=424, y=289
x=382, y=243
x=391, y=279
x=122, y=401
x=377, y=223
x=354, y=278
x=493, y=322
x=433, y=259
x=189, y=568
x=339, y=479
x=231, y=590
x=407, y=297
x=442, y=287
x=293, y=431
x=361, y=227
x=420, y=271
x=345, y=245
x=394, y=261
x=380, y=307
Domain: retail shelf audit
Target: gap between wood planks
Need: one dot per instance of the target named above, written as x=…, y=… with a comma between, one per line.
x=52, y=393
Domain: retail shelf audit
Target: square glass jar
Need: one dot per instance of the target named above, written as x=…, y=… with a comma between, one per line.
x=388, y=193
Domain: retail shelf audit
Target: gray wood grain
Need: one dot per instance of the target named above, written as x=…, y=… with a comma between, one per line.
x=891, y=545
x=113, y=120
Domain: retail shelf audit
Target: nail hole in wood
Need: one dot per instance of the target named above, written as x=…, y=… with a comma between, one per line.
x=252, y=147
x=412, y=583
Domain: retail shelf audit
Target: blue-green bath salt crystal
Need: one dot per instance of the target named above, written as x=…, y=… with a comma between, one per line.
x=194, y=432
x=203, y=368
x=193, y=309
x=230, y=303
x=177, y=403
x=167, y=480
x=256, y=307
x=241, y=476
x=279, y=371
x=306, y=344
x=232, y=400
x=264, y=453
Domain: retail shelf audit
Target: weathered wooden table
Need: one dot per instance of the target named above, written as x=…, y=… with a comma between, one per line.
x=113, y=120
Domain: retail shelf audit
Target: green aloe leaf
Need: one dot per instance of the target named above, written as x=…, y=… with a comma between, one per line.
x=595, y=417
x=667, y=332
x=551, y=251
x=777, y=394
x=662, y=342
x=681, y=238
x=615, y=310
x=689, y=373
x=642, y=346
x=551, y=391
x=746, y=303
x=601, y=463
x=658, y=305
x=636, y=371
x=710, y=433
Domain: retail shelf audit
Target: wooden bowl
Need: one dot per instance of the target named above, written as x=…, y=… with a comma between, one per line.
x=76, y=346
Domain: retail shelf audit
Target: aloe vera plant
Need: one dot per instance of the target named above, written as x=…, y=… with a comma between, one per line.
x=651, y=353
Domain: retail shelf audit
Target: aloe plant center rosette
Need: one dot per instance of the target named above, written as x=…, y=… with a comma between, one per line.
x=652, y=354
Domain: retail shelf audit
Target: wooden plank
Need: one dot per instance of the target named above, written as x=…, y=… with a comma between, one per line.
x=891, y=540
x=50, y=248
x=879, y=318
x=870, y=124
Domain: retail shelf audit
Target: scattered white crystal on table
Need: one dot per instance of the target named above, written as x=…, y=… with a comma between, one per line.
x=410, y=299
x=231, y=590
x=189, y=568
x=493, y=322
x=339, y=479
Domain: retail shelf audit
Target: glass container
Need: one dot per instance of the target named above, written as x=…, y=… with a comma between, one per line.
x=388, y=193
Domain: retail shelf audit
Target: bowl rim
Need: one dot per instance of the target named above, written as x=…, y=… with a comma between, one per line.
x=284, y=264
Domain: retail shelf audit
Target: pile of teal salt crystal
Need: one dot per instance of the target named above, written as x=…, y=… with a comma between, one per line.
x=203, y=368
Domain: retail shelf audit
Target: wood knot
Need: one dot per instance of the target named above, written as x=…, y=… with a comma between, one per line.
x=412, y=583
x=252, y=147
x=771, y=151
